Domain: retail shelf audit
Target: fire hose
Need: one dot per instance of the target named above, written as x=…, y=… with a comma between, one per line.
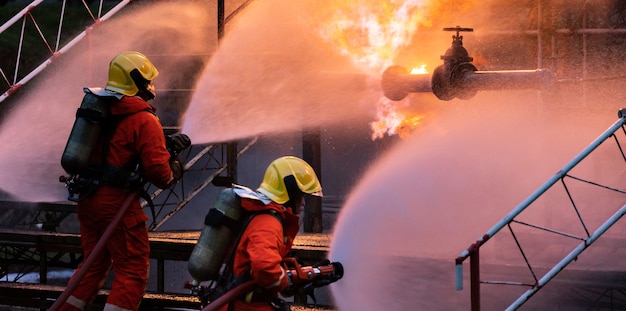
x=230, y=296
x=71, y=286
x=318, y=275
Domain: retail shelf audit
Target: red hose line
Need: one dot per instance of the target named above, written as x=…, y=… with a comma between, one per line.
x=95, y=253
x=230, y=296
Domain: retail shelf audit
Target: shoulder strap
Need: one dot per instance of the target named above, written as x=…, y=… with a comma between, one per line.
x=231, y=257
x=228, y=278
x=110, y=124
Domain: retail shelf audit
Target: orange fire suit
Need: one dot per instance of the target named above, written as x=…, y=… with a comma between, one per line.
x=261, y=250
x=138, y=136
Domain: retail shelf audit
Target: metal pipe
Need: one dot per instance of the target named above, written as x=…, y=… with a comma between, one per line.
x=397, y=83
x=509, y=79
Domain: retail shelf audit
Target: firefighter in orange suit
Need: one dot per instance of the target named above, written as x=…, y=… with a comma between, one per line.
x=269, y=236
x=137, y=145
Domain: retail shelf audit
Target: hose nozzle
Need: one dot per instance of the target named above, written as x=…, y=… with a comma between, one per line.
x=320, y=274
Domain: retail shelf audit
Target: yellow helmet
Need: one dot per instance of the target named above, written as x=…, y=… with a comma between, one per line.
x=273, y=185
x=131, y=72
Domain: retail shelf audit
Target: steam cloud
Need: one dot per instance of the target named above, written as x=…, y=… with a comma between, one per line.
x=433, y=195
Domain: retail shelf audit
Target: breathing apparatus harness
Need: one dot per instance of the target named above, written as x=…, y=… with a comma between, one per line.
x=227, y=279
x=94, y=175
x=104, y=174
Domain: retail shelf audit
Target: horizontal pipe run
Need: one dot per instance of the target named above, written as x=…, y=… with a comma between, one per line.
x=416, y=83
x=567, y=31
x=509, y=79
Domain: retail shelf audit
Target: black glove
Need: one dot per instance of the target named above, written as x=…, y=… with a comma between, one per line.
x=177, y=169
x=176, y=143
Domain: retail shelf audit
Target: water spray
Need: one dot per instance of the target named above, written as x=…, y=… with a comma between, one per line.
x=459, y=78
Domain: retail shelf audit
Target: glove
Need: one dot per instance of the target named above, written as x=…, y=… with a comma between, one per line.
x=291, y=290
x=177, y=170
x=176, y=143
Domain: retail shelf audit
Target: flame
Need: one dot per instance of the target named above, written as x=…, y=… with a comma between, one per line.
x=392, y=120
x=421, y=70
x=372, y=32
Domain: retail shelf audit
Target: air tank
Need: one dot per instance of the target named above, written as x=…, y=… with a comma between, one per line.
x=221, y=228
x=88, y=126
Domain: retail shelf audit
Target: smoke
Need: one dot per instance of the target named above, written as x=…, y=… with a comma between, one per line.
x=34, y=134
x=274, y=73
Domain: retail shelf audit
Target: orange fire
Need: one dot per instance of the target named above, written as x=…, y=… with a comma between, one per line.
x=371, y=33
x=392, y=121
x=393, y=118
x=421, y=70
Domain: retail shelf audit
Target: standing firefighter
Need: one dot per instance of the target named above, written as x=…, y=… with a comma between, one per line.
x=268, y=222
x=119, y=146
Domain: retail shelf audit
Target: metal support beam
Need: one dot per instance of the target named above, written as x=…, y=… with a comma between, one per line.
x=220, y=19
x=472, y=252
x=475, y=280
x=231, y=161
x=311, y=153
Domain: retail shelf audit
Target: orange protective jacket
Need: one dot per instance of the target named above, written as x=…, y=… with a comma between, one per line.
x=261, y=249
x=137, y=136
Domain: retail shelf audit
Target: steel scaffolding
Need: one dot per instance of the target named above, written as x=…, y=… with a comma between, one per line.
x=563, y=178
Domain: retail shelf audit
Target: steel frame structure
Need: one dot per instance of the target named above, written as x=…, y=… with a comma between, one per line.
x=203, y=164
x=17, y=79
x=563, y=175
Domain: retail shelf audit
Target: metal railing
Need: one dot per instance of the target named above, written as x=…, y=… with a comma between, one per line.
x=206, y=163
x=473, y=252
x=203, y=163
x=13, y=78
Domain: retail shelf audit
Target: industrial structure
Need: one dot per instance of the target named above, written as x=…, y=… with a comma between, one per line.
x=31, y=243
x=31, y=239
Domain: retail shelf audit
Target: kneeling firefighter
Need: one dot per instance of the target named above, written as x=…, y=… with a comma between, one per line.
x=265, y=223
x=117, y=144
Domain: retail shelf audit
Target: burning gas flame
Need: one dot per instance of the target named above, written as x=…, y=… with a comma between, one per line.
x=421, y=70
x=394, y=121
x=371, y=33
